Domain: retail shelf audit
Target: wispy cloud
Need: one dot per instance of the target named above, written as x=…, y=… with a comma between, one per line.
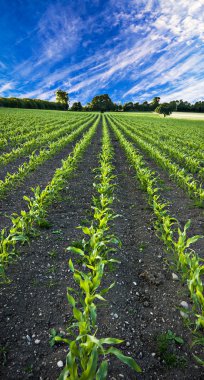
x=170, y=70
x=186, y=91
x=130, y=49
x=58, y=34
x=2, y=65
x=7, y=86
x=182, y=18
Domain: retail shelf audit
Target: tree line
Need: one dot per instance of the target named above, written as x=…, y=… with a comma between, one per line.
x=31, y=103
x=104, y=103
x=61, y=104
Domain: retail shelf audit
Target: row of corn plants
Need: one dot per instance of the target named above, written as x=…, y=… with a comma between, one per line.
x=184, y=179
x=189, y=140
x=35, y=159
x=28, y=127
x=87, y=357
x=24, y=225
x=191, y=163
x=22, y=130
x=176, y=240
x=25, y=122
x=47, y=136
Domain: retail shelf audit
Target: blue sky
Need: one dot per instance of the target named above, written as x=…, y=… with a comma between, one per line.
x=133, y=50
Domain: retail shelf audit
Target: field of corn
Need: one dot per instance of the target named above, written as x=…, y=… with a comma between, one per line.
x=101, y=246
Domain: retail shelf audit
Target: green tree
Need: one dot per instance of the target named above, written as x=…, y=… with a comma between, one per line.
x=128, y=107
x=155, y=102
x=76, y=106
x=63, y=98
x=119, y=107
x=164, y=109
x=102, y=103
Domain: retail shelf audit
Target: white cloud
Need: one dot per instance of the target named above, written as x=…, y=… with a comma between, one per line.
x=187, y=91
x=39, y=94
x=6, y=86
x=58, y=35
x=182, y=18
x=171, y=71
x=59, y=31
x=116, y=67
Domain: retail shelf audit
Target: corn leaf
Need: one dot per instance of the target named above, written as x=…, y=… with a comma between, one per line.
x=124, y=359
x=102, y=371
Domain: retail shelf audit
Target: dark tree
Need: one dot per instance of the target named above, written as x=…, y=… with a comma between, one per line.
x=101, y=103
x=62, y=97
x=76, y=106
x=164, y=109
x=155, y=102
x=128, y=107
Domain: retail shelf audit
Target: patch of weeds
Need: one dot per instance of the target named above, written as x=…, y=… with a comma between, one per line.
x=52, y=254
x=52, y=269
x=168, y=350
x=35, y=282
x=142, y=246
x=57, y=232
x=28, y=368
x=3, y=355
x=52, y=283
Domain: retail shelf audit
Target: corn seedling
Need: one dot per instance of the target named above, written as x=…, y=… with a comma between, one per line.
x=87, y=357
x=24, y=225
x=168, y=229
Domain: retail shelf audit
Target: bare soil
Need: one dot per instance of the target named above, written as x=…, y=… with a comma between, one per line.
x=187, y=115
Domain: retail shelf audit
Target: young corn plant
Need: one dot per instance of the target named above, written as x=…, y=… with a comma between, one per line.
x=176, y=240
x=24, y=225
x=38, y=159
x=87, y=357
x=185, y=180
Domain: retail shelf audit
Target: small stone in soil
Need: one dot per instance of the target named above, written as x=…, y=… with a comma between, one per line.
x=184, y=304
x=175, y=277
x=60, y=364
